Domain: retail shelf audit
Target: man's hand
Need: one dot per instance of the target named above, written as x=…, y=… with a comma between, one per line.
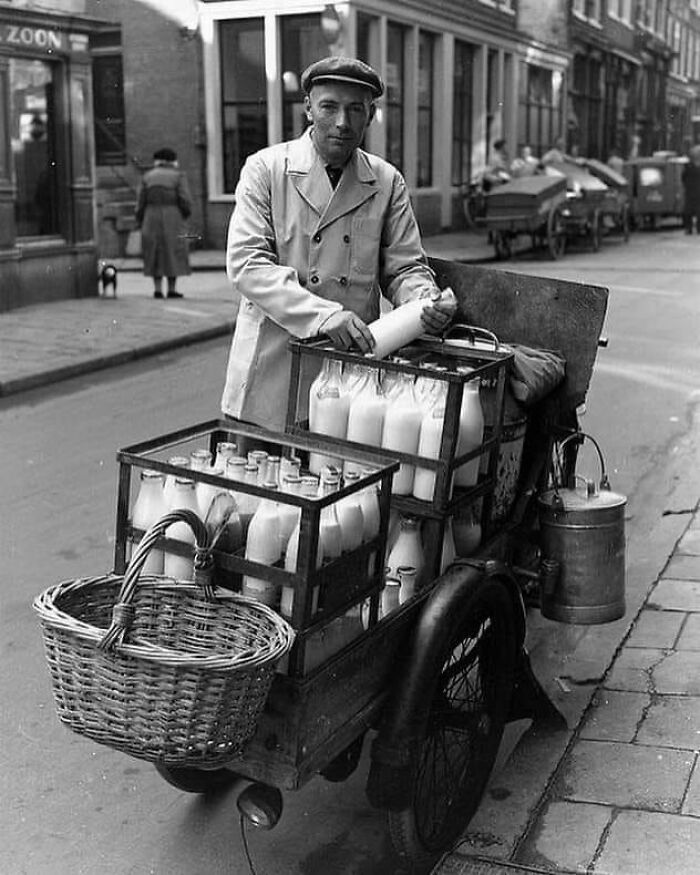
x=439, y=312
x=346, y=331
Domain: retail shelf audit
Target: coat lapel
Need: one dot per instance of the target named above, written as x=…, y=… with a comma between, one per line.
x=308, y=175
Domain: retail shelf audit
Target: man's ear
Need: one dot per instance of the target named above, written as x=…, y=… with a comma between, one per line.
x=307, y=108
x=372, y=111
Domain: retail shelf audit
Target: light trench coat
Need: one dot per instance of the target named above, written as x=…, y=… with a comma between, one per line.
x=299, y=251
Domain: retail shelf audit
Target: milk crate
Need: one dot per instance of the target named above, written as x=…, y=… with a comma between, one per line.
x=322, y=595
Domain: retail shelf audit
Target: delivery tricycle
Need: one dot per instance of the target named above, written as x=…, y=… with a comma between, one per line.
x=435, y=678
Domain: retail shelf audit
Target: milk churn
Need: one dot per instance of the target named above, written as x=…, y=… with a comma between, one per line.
x=583, y=530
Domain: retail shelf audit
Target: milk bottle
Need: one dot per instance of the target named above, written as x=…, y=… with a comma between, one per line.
x=429, y=443
x=330, y=534
x=309, y=488
x=401, y=431
x=181, y=462
x=148, y=508
x=350, y=516
x=471, y=432
x=365, y=417
x=408, y=550
x=400, y=326
x=328, y=414
x=263, y=546
x=224, y=451
x=183, y=496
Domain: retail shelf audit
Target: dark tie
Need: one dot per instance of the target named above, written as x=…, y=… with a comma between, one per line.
x=334, y=174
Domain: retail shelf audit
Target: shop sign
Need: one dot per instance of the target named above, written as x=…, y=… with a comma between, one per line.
x=24, y=37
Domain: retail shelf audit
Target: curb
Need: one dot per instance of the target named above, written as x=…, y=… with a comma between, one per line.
x=45, y=378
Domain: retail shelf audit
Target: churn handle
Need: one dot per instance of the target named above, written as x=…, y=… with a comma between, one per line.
x=473, y=332
x=580, y=436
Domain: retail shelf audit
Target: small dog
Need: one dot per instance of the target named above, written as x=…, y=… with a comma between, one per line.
x=108, y=277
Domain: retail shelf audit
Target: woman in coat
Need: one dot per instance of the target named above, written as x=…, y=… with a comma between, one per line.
x=164, y=203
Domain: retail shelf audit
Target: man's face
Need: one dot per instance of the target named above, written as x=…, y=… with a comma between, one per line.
x=340, y=113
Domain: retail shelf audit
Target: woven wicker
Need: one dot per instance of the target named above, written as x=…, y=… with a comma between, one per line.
x=160, y=669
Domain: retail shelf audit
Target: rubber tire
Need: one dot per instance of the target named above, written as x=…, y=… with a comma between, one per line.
x=556, y=235
x=191, y=780
x=442, y=808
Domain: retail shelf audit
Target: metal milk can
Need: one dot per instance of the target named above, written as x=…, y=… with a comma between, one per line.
x=583, y=531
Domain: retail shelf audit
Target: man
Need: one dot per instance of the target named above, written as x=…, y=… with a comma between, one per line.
x=525, y=165
x=497, y=171
x=320, y=230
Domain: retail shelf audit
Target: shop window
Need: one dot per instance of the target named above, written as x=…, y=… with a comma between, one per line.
x=302, y=44
x=462, y=97
x=426, y=75
x=395, y=93
x=243, y=92
x=34, y=148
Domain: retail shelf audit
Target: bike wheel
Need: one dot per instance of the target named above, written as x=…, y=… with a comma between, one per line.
x=469, y=699
x=556, y=235
x=192, y=780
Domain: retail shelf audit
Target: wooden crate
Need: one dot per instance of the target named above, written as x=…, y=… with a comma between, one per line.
x=342, y=585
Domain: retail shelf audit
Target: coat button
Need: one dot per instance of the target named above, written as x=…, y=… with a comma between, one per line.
x=316, y=238
x=346, y=238
x=314, y=279
x=343, y=281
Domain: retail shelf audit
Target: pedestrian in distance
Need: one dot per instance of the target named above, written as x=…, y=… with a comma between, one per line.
x=164, y=203
x=525, y=164
x=615, y=161
x=690, y=177
x=497, y=172
x=320, y=231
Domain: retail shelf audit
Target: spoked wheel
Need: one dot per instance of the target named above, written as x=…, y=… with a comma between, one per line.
x=502, y=244
x=556, y=234
x=196, y=780
x=469, y=700
x=596, y=231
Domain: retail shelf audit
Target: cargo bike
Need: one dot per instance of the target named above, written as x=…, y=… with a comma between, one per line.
x=530, y=206
x=436, y=679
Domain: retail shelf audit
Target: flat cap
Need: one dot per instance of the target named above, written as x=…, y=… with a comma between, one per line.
x=337, y=69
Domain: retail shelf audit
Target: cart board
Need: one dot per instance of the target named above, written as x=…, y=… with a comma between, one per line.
x=528, y=196
x=535, y=311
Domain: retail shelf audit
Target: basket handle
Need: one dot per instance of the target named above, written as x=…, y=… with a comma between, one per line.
x=123, y=611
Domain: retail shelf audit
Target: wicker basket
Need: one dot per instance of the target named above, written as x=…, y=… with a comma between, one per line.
x=186, y=685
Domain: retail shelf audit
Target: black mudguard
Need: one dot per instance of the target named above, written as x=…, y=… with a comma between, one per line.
x=389, y=784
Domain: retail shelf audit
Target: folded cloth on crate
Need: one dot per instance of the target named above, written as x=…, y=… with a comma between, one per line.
x=536, y=373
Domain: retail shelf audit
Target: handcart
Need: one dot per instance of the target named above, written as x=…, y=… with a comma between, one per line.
x=615, y=208
x=656, y=188
x=530, y=205
x=582, y=215
x=435, y=680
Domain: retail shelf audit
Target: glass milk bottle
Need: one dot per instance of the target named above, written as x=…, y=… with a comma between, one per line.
x=309, y=489
x=329, y=533
x=148, y=508
x=328, y=414
x=289, y=514
x=205, y=492
x=366, y=417
x=263, y=546
x=183, y=496
x=200, y=460
x=390, y=596
x=407, y=576
x=401, y=431
x=429, y=443
x=181, y=462
x=350, y=516
x=399, y=326
x=408, y=550
x=247, y=503
x=225, y=450
x=471, y=432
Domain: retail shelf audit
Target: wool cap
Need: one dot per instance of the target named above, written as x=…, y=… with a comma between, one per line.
x=165, y=154
x=338, y=69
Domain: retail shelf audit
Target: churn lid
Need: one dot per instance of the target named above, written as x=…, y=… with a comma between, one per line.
x=584, y=498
